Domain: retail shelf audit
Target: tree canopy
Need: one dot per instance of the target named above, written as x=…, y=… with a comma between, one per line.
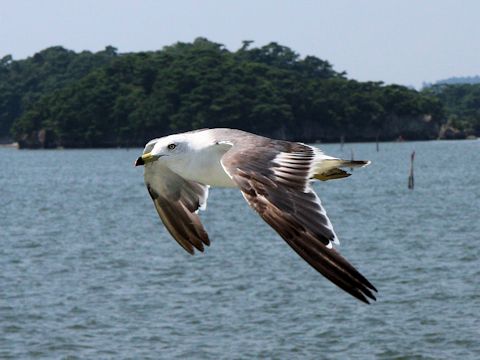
x=109, y=99
x=461, y=104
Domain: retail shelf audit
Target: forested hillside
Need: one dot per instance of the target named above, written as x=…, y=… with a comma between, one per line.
x=458, y=80
x=23, y=83
x=62, y=98
x=461, y=106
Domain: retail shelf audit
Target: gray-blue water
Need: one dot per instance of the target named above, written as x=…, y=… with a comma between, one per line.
x=87, y=271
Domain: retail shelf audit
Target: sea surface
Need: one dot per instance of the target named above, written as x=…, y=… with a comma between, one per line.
x=87, y=271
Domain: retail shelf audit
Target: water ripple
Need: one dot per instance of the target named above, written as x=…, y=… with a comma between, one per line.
x=87, y=270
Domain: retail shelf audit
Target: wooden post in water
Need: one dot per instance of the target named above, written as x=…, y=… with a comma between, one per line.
x=342, y=141
x=352, y=157
x=378, y=146
x=411, y=181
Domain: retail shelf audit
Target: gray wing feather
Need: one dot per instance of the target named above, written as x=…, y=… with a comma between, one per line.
x=283, y=198
x=177, y=201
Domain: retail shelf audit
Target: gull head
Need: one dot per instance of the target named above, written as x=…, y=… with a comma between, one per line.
x=166, y=149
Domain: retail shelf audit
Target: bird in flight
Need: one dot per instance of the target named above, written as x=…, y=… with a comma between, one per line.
x=275, y=179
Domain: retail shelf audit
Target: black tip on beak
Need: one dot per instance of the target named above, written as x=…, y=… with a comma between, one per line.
x=139, y=161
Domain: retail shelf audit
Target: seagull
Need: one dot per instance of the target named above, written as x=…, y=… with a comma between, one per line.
x=274, y=177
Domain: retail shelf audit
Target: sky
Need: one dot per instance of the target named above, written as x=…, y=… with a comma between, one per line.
x=405, y=42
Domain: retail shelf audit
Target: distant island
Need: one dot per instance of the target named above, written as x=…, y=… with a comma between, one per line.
x=457, y=80
x=60, y=98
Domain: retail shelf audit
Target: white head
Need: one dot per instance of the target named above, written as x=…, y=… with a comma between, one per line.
x=166, y=149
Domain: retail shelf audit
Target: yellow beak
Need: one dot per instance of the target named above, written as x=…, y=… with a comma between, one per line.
x=144, y=159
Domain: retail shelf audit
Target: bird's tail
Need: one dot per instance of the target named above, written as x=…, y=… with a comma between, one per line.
x=331, y=168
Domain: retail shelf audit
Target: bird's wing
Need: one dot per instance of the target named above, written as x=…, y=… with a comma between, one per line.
x=275, y=180
x=177, y=202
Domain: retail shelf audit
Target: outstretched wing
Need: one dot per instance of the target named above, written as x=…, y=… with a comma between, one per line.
x=274, y=178
x=177, y=202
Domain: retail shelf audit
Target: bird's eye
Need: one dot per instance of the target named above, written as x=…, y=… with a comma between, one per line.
x=171, y=146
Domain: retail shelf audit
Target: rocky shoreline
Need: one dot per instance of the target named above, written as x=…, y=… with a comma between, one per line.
x=34, y=141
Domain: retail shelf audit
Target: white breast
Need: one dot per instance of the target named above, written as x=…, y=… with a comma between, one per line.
x=204, y=166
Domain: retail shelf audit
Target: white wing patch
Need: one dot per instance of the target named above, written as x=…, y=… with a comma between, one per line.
x=301, y=167
x=291, y=167
x=203, y=199
x=329, y=225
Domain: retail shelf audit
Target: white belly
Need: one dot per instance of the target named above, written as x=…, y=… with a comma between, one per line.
x=205, y=168
x=214, y=177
